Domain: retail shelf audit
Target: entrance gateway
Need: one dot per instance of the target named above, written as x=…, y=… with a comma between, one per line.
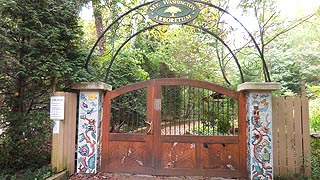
x=174, y=127
x=178, y=126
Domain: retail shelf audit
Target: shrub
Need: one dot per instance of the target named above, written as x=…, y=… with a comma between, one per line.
x=28, y=174
x=315, y=158
x=314, y=105
x=315, y=122
x=25, y=141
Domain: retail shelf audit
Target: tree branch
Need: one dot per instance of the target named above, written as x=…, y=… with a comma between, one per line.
x=290, y=27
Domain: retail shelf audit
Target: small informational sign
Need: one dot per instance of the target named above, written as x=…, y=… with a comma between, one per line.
x=56, y=127
x=157, y=104
x=57, y=107
x=173, y=12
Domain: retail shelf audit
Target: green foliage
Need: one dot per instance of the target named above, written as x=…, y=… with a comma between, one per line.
x=126, y=68
x=187, y=55
x=28, y=174
x=313, y=91
x=288, y=74
x=219, y=116
x=129, y=112
x=26, y=140
x=172, y=102
x=315, y=158
x=314, y=110
x=38, y=42
x=294, y=56
x=315, y=122
x=251, y=66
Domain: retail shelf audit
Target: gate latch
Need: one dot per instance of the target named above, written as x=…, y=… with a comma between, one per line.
x=150, y=127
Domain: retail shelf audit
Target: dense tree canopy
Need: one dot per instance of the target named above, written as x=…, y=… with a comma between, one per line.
x=39, y=42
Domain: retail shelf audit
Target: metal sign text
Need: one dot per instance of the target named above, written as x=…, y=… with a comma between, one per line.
x=173, y=11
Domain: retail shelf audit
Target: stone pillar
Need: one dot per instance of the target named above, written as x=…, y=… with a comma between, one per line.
x=89, y=125
x=259, y=128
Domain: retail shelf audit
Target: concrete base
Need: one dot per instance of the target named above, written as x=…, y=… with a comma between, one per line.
x=258, y=86
x=92, y=86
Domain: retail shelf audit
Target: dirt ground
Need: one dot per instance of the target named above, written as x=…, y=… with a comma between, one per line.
x=138, y=177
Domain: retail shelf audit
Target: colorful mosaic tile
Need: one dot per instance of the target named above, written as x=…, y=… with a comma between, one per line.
x=259, y=123
x=88, y=132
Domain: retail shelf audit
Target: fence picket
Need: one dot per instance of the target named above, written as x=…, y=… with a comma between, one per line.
x=290, y=136
x=298, y=134
x=275, y=134
x=306, y=136
x=282, y=137
x=70, y=130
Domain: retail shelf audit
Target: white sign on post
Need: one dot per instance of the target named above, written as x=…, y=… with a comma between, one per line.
x=57, y=107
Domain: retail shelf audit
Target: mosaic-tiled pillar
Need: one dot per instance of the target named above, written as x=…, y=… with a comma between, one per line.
x=259, y=129
x=89, y=125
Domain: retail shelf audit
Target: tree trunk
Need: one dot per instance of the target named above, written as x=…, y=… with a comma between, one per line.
x=18, y=103
x=99, y=25
x=135, y=22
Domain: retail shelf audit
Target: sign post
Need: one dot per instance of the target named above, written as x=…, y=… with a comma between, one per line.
x=57, y=112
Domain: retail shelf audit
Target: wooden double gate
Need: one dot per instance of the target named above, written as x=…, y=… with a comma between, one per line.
x=174, y=127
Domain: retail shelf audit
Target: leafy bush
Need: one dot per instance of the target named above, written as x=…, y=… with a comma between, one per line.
x=25, y=141
x=315, y=158
x=314, y=104
x=28, y=174
x=315, y=122
x=315, y=114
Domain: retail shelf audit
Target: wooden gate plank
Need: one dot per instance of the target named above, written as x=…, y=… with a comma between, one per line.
x=150, y=116
x=275, y=134
x=156, y=89
x=199, y=156
x=105, y=132
x=298, y=133
x=282, y=138
x=290, y=135
x=70, y=130
x=242, y=134
x=306, y=136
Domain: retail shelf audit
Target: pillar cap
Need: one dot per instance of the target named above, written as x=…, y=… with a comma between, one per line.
x=259, y=86
x=92, y=86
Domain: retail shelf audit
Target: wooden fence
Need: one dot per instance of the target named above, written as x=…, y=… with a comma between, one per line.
x=291, y=136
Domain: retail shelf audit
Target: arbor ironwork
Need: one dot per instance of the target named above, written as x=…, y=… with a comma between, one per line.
x=206, y=30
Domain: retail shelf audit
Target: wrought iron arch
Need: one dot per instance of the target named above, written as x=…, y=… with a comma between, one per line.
x=156, y=25
x=265, y=68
